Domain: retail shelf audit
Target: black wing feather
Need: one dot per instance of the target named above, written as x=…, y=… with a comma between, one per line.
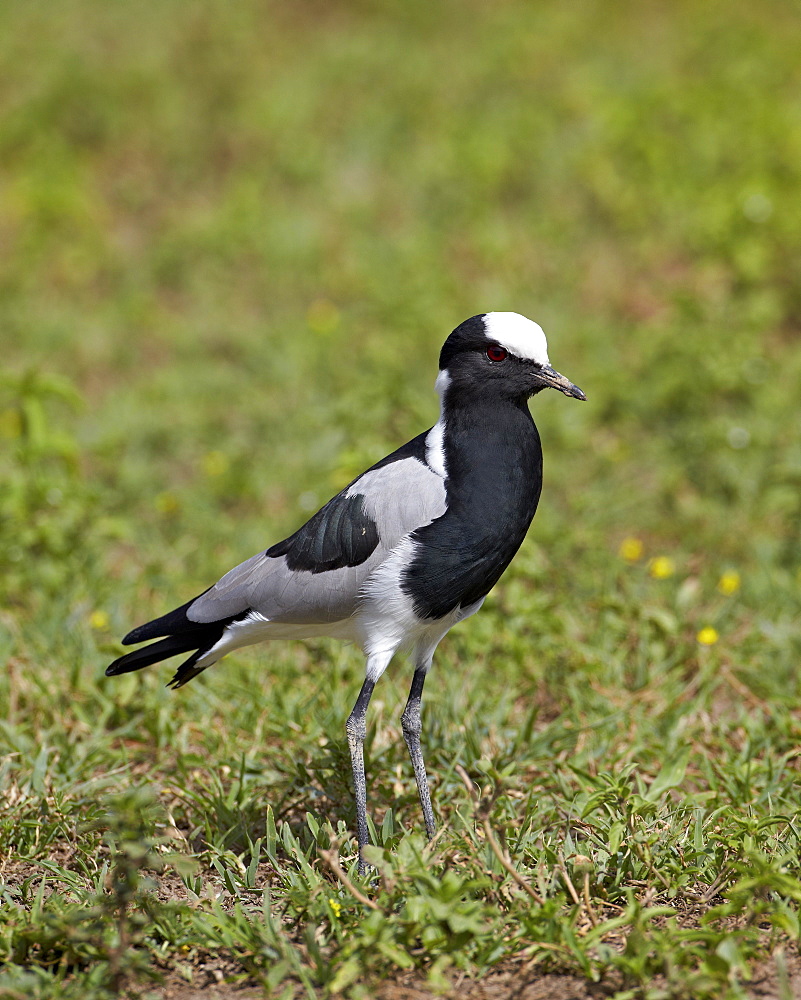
x=340, y=534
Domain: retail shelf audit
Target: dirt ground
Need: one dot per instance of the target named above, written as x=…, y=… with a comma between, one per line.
x=511, y=983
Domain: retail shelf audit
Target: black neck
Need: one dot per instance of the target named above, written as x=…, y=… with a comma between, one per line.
x=493, y=465
x=493, y=457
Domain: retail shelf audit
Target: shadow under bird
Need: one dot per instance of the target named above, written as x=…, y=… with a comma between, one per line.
x=411, y=547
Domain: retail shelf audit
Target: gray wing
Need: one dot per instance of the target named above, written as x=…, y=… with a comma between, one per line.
x=316, y=575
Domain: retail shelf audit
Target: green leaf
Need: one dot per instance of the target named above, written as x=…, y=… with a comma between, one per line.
x=346, y=975
x=395, y=954
x=671, y=774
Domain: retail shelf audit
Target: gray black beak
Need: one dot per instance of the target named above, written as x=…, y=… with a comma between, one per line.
x=552, y=378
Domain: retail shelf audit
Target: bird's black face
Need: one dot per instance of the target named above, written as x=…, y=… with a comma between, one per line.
x=501, y=355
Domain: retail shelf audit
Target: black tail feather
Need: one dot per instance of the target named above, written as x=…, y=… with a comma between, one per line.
x=157, y=651
x=173, y=623
x=187, y=671
x=196, y=636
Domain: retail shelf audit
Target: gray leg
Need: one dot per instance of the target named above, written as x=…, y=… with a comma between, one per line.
x=356, y=728
x=412, y=726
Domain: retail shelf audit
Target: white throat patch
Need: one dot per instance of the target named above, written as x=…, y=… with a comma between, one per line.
x=435, y=439
x=520, y=336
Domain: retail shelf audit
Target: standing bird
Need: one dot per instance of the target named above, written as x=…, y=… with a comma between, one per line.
x=411, y=547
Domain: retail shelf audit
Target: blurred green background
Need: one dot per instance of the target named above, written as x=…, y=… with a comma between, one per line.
x=233, y=237
x=241, y=232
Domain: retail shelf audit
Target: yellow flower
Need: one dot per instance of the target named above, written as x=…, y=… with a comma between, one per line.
x=215, y=463
x=729, y=583
x=98, y=619
x=708, y=636
x=631, y=549
x=335, y=907
x=662, y=567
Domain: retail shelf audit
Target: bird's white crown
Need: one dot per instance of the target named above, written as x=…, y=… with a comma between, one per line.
x=520, y=336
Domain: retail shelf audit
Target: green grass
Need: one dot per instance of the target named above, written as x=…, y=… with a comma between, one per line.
x=232, y=240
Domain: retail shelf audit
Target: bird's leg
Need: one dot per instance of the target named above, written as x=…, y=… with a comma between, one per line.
x=412, y=726
x=356, y=728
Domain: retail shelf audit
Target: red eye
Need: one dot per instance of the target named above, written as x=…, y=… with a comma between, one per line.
x=496, y=353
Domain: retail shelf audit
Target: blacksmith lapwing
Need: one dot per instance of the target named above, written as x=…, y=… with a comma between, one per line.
x=408, y=549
